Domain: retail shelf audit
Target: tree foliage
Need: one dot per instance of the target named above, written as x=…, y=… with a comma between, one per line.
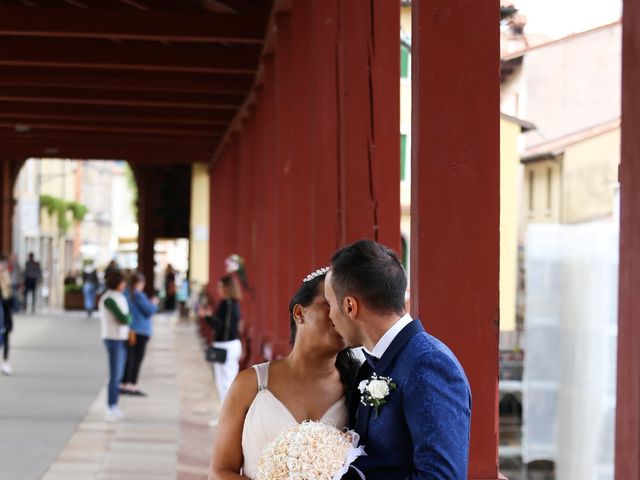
x=61, y=209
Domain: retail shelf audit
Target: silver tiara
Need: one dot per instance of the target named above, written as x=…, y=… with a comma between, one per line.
x=319, y=272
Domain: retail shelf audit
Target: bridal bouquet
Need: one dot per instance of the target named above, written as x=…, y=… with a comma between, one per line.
x=309, y=451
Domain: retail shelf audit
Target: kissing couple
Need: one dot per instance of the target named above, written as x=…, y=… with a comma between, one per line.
x=409, y=402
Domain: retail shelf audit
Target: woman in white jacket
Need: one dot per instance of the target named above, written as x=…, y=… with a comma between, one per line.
x=114, y=322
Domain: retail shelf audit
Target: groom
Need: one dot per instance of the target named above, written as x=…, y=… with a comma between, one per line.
x=414, y=418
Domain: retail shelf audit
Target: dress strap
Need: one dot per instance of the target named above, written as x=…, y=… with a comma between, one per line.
x=262, y=372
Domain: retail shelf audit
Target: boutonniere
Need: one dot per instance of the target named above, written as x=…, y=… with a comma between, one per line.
x=374, y=392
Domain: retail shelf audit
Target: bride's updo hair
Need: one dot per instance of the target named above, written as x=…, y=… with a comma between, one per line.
x=346, y=362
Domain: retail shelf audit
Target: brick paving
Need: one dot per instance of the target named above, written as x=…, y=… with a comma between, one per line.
x=165, y=435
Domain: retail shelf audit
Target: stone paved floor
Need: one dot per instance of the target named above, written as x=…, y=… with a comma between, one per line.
x=165, y=435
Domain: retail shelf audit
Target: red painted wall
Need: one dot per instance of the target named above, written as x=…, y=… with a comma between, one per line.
x=317, y=162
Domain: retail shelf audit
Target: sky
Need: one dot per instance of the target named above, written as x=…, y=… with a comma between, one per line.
x=558, y=18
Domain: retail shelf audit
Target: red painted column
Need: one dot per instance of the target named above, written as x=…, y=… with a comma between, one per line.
x=245, y=194
x=273, y=313
x=300, y=182
x=283, y=162
x=248, y=237
x=223, y=210
x=146, y=234
x=369, y=119
x=326, y=231
x=6, y=192
x=455, y=198
x=627, y=451
x=216, y=226
x=214, y=229
x=385, y=135
x=262, y=321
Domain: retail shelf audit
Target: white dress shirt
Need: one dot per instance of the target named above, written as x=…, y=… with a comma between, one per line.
x=389, y=336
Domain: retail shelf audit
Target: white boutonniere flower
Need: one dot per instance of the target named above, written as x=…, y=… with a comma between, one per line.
x=374, y=392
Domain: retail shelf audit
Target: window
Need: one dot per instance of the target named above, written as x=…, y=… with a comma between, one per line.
x=549, y=186
x=405, y=252
x=532, y=176
x=403, y=157
x=405, y=62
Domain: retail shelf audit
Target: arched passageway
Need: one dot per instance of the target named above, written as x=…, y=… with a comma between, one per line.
x=46, y=192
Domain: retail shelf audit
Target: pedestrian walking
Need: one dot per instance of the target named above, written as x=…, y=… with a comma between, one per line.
x=32, y=276
x=89, y=288
x=16, y=280
x=6, y=298
x=169, y=289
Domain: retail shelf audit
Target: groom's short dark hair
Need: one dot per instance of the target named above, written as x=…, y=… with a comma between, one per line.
x=371, y=272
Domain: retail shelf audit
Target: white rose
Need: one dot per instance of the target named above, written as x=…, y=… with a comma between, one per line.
x=378, y=389
x=362, y=386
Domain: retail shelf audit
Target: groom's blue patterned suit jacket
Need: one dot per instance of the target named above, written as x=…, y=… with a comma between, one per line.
x=422, y=432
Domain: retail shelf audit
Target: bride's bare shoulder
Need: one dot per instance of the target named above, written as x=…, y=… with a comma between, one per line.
x=247, y=380
x=243, y=389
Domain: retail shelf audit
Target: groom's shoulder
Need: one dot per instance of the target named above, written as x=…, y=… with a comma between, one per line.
x=426, y=350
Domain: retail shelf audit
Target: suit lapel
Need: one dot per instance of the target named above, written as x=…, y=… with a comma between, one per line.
x=363, y=413
x=363, y=372
x=397, y=345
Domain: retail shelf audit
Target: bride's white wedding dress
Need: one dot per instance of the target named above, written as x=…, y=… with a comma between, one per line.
x=267, y=417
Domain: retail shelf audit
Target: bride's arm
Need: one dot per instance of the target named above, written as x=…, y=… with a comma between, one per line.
x=227, y=459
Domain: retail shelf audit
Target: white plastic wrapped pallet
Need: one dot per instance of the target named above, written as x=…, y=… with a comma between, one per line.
x=569, y=380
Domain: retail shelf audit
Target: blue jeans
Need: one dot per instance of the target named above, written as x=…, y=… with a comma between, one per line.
x=89, y=294
x=117, y=351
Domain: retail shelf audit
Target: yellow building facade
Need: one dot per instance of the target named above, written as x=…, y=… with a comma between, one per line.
x=573, y=180
x=510, y=180
x=199, y=225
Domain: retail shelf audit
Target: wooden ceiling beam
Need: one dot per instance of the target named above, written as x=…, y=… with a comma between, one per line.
x=233, y=84
x=56, y=143
x=28, y=118
x=128, y=56
x=66, y=95
x=89, y=153
x=154, y=26
x=115, y=111
x=37, y=127
x=14, y=117
x=144, y=141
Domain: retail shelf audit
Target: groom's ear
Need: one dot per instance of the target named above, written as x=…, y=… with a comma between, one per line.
x=350, y=305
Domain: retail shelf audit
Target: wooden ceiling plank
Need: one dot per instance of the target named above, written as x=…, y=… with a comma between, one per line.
x=136, y=5
x=76, y=3
x=134, y=103
x=188, y=99
x=104, y=55
x=17, y=117
x=156, y=83
x=217, y=6
x=132, y=25
x=126, y=130
x=96, y=138
x=115, y=111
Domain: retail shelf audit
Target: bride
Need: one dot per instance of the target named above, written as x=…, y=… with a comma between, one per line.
x=311, y=383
